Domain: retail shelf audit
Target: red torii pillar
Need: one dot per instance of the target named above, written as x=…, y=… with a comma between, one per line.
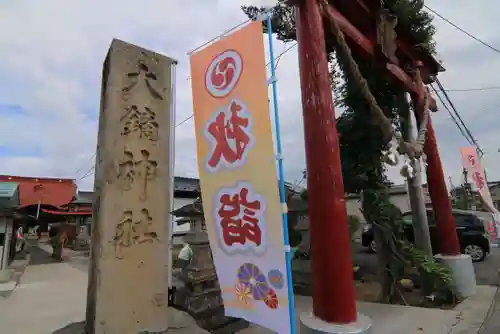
x=441, y=204
x=436, y=183
x=333, y=293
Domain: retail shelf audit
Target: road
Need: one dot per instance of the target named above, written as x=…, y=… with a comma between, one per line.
x=41, y=255
x=486, y=271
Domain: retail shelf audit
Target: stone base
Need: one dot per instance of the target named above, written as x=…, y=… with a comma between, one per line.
x=462, y=271
x=309, y=324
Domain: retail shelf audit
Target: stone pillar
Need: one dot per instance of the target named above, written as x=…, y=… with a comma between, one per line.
x=128, y=289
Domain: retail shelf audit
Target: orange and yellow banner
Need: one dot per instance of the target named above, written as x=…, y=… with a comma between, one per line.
x=238, y=179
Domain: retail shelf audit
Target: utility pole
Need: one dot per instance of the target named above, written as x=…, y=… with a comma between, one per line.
x=453, y=198
x=451, y=183
x=480, y=154
x=466, y=188
x=417, y=201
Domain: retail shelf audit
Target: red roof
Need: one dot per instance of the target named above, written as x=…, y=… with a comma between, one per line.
x=50, y=191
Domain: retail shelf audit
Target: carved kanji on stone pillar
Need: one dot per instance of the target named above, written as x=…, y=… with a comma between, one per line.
x=130, y=234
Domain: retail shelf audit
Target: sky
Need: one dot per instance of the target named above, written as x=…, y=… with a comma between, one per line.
x=52, y=54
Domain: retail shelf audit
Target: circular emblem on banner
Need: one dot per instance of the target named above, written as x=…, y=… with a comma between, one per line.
x=223, y=73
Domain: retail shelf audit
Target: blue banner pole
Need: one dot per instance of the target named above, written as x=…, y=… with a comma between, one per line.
x=291, y=303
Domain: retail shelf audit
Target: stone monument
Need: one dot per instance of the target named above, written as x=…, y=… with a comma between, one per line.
x=128, y=289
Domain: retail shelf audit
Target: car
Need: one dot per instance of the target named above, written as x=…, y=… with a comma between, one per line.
x=471, y=231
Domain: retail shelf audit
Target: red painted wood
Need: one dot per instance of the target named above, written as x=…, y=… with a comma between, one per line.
x=367, y=45
x=370, y=7
x=332, y=279
x=43, y=190
x=68, y=213
x=435, y=175
x=441, y=204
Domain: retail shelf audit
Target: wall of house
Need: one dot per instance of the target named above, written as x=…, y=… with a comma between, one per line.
x=495, y=195
x=178, y=203
x=401, y=200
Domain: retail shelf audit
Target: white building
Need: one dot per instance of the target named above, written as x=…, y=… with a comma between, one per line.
x=398, y=195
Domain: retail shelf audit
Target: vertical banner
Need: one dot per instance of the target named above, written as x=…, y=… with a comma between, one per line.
x=238, y=177
x=472, y=164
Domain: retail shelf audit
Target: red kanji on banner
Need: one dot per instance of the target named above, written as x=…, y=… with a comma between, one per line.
x=232, y=137
x=479, y=180
x=472, y=160
x=239, y=218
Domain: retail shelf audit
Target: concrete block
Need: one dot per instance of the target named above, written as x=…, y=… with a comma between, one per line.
x=463, y=273
x=309, y=324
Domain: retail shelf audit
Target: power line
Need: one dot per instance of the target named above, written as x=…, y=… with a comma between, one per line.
x=464, y=134
x=457, y=114
x=80, y=168
x=90, y=172
x=464, y=130
x=489, y=46
x=477, y=89
x=219, y=36
x=281, y=54
x=276, y=59
x=184, y=120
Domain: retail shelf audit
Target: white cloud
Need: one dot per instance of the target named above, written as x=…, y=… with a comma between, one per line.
x=52, y=53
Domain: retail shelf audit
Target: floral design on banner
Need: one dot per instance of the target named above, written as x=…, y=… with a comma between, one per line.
x=243, y=295
x=271, y=300
x=253, y=278
x=276, y=279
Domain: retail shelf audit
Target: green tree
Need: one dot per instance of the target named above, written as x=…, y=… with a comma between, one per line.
x=361, y=141
x=460, y=203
